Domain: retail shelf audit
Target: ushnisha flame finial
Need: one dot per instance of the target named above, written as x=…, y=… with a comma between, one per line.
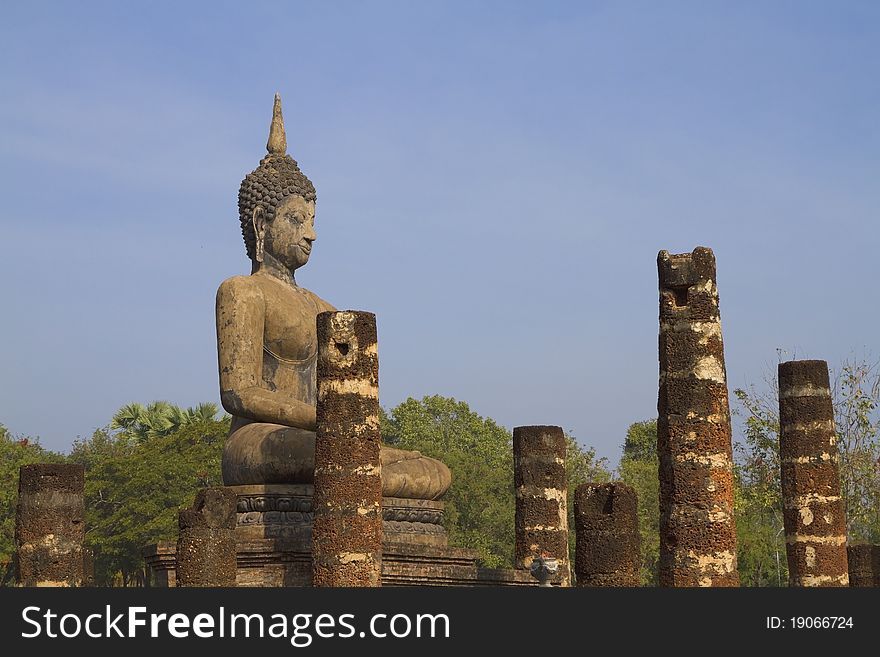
x=277, y=177
x=277, y=143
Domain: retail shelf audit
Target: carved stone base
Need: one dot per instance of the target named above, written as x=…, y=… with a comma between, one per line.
x=284, y=511
x=414, y=522
x=275, y=511
x=274, y=543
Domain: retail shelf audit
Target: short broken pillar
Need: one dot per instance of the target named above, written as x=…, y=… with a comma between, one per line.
x=541, y=497
x=206, y=543
x=347, y=530
x=813, y=512
x=49, y=527
x=697, y=525
x=607, y=546
x=863, y=562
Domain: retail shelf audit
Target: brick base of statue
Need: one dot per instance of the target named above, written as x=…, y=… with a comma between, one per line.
x=273, y=538
x=279, y=562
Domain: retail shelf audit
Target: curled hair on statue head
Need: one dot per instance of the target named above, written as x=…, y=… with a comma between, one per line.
x=277, y=177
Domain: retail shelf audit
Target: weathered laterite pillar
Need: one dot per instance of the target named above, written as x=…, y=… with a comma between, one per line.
x=49, y=528
x=206, y=542
x=607, y=544
x=541, y=497
x=347, y=532
x=813, y=513
x=863, y=562
x=697, y=527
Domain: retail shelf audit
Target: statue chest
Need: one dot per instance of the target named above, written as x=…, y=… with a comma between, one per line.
x=289, y=329
x=289, y=354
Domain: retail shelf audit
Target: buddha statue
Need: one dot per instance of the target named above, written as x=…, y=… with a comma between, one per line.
x=267, y=345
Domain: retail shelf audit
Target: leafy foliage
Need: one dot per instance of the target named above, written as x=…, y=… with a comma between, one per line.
x=638, y=468
x=135, y=487
x=159, y=418
x=480, y=503
x=758, y=495
x=856, y=399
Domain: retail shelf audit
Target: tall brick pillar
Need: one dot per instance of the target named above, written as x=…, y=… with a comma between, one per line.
x=607, y=546
x=541, y=497
x=697, y=526
x=206, y=542
x=49, y=525
x=813, y=513
x=347, y=532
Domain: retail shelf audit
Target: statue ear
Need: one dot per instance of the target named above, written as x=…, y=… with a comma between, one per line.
x=259, y=221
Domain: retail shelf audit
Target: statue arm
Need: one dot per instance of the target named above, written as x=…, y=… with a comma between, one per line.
x=240, y=325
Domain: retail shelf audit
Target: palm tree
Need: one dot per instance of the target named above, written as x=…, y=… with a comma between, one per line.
x=158, y=418
x=203, y=412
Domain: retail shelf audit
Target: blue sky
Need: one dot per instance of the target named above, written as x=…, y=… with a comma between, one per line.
x=494, y=180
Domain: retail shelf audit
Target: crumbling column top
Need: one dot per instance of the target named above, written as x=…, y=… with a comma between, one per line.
x=686, y=268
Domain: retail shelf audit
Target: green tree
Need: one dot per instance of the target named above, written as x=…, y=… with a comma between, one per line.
x=480, y=501
x=480, y=504
x=855, y=397
x=761, y=549
x=15, y=451
x=639, y=468
x=135, y=487
x=857, y=415
x=757, y=494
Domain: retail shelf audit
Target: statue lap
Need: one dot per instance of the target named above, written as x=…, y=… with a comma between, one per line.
x=265, y=453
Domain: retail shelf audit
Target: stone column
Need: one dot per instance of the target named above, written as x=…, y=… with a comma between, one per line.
x=347, y=532
x=863, y=562
x=697, y=526
x=541, y=497
x=813, y=513
x=607, y=546
x=206, y=543
x=49, y=527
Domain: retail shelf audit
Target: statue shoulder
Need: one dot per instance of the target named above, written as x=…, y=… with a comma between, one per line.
x=322, y=305
x=239, y=288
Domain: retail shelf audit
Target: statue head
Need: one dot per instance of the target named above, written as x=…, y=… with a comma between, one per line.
x=276, y=203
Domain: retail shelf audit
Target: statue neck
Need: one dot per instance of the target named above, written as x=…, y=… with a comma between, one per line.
x=272, y=267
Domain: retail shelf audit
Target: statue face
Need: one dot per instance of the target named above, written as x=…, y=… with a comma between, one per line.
x=289, y=236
